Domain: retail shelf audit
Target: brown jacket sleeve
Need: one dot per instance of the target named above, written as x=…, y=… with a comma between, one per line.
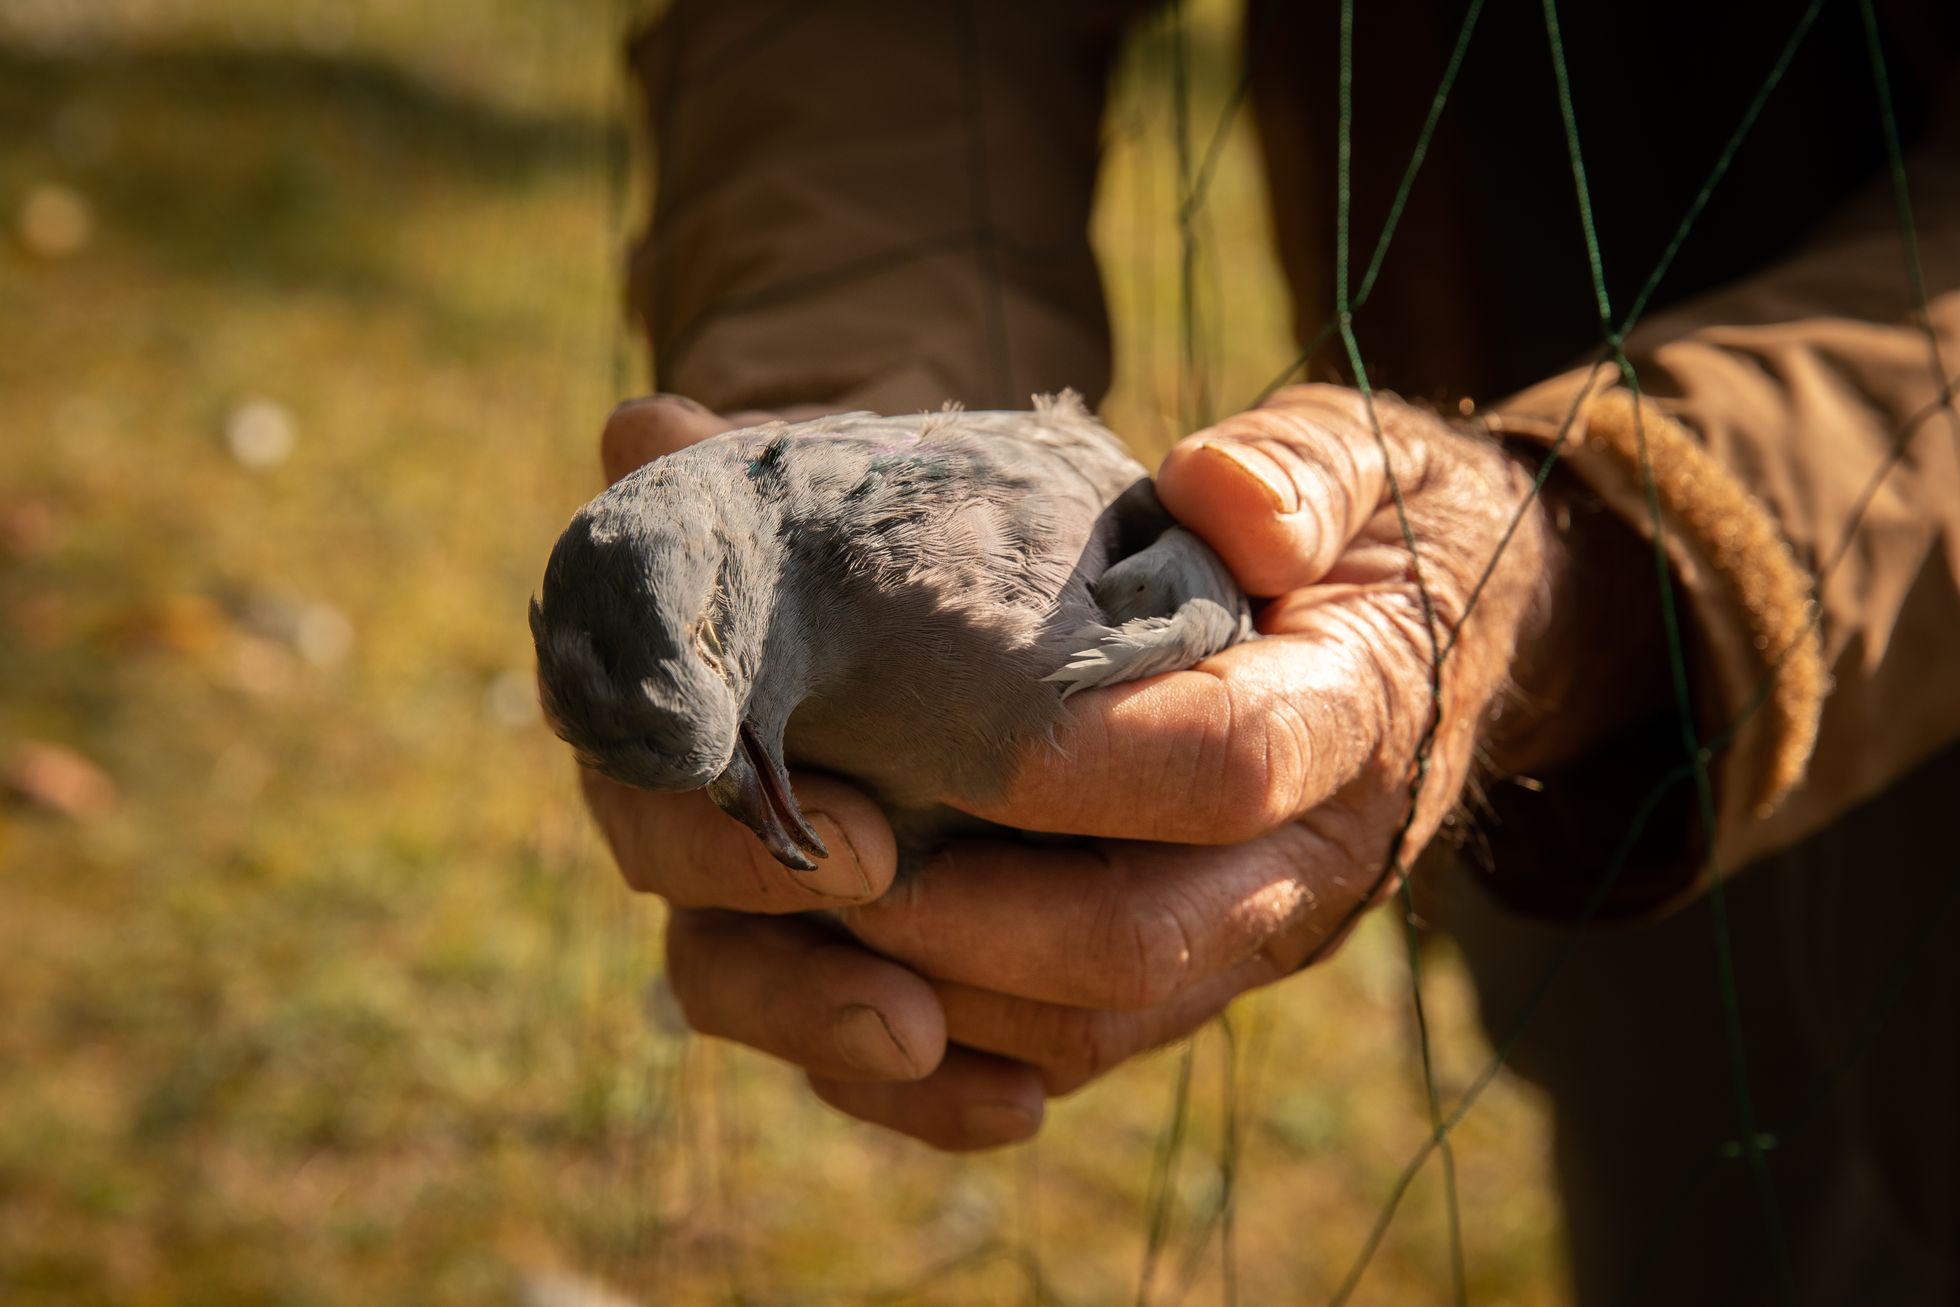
x=875, y=203
x=1800, y=452
x=884, y=204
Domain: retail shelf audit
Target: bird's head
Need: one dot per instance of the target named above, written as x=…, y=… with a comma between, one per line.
x=650, y=632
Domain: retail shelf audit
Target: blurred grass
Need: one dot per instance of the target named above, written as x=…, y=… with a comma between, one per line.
x=339, y=1001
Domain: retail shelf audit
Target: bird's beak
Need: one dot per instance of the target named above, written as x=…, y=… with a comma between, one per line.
x=754, y=789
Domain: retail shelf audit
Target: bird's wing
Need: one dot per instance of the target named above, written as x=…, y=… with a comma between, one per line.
x=1149, y=645
x=1165, y=607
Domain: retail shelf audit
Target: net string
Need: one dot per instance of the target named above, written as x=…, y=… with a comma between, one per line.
x=1163, y=1173
x=986, y=241
x=1751, y=1145
x=1923, y=928
x=1725, y=969
x=657, y=1109
x=767, y=31
x=1616, y=864
x=1927, y=925
x=1417, y=155
x=1194, y=186
x=1192, y=403
x=1895, y=165
x=1343, y=308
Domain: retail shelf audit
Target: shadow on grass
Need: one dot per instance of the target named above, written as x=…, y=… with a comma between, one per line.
x=277, y=166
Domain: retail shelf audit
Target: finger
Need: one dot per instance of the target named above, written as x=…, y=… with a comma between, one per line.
x=1122, y=925
x=1279, y=491
x=804, y=993
x=1070, y=1046
x=974, y=1100
x=641, y=430
x=691, y=853
x=1255, y=737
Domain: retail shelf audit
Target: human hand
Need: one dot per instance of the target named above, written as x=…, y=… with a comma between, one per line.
x=1248, y=810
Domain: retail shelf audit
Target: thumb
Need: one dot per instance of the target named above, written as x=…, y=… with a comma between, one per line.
x=641, y=430
x=1279, y=491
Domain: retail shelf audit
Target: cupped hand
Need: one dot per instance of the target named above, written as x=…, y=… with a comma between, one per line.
x=1244, y=812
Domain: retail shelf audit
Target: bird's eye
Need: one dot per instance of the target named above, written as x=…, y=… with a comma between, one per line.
x=707, y=643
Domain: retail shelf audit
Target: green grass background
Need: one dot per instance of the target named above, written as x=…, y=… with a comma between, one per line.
x=340, y=1002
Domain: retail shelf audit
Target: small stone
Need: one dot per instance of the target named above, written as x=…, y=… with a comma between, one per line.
x=314, y=630
x=261, y=667
x=260, y=433
x=967, y=1210
x=324, y=635
x=55, y=222
x=57, y=779
x=556, y=1288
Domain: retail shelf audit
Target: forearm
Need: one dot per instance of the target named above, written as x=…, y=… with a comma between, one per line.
x=1563, y=699
x=884, y=205
x=1786, y=426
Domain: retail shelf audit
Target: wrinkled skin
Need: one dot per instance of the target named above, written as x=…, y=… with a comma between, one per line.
x=1244, y=810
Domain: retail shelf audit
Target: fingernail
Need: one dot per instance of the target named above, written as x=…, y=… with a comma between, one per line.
x=1280, y=492
x=841, y=875
x=999, y=1123
x=868, y=1043
x=658, y=399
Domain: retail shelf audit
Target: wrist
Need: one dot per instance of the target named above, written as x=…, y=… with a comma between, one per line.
x=1588, y=662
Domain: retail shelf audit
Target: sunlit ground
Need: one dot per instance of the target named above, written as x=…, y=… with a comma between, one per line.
x=319, y=990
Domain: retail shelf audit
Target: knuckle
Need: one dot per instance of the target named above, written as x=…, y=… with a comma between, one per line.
x=633, y=845
x=688, y=965
x=1246, y=810
x=603, y=802
x=1399, y=663
x=1104, y=1044
x=1355, y=843
x=1285, y=952
x=1142, y=955
x=642, y=430
x=698, y=855
x=1082, y=1046
x=635, y=875
x=1257, y=775
x=659, y=840
x=1061, y=1081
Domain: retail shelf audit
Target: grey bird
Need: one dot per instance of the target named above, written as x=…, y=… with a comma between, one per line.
x=902, y=601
